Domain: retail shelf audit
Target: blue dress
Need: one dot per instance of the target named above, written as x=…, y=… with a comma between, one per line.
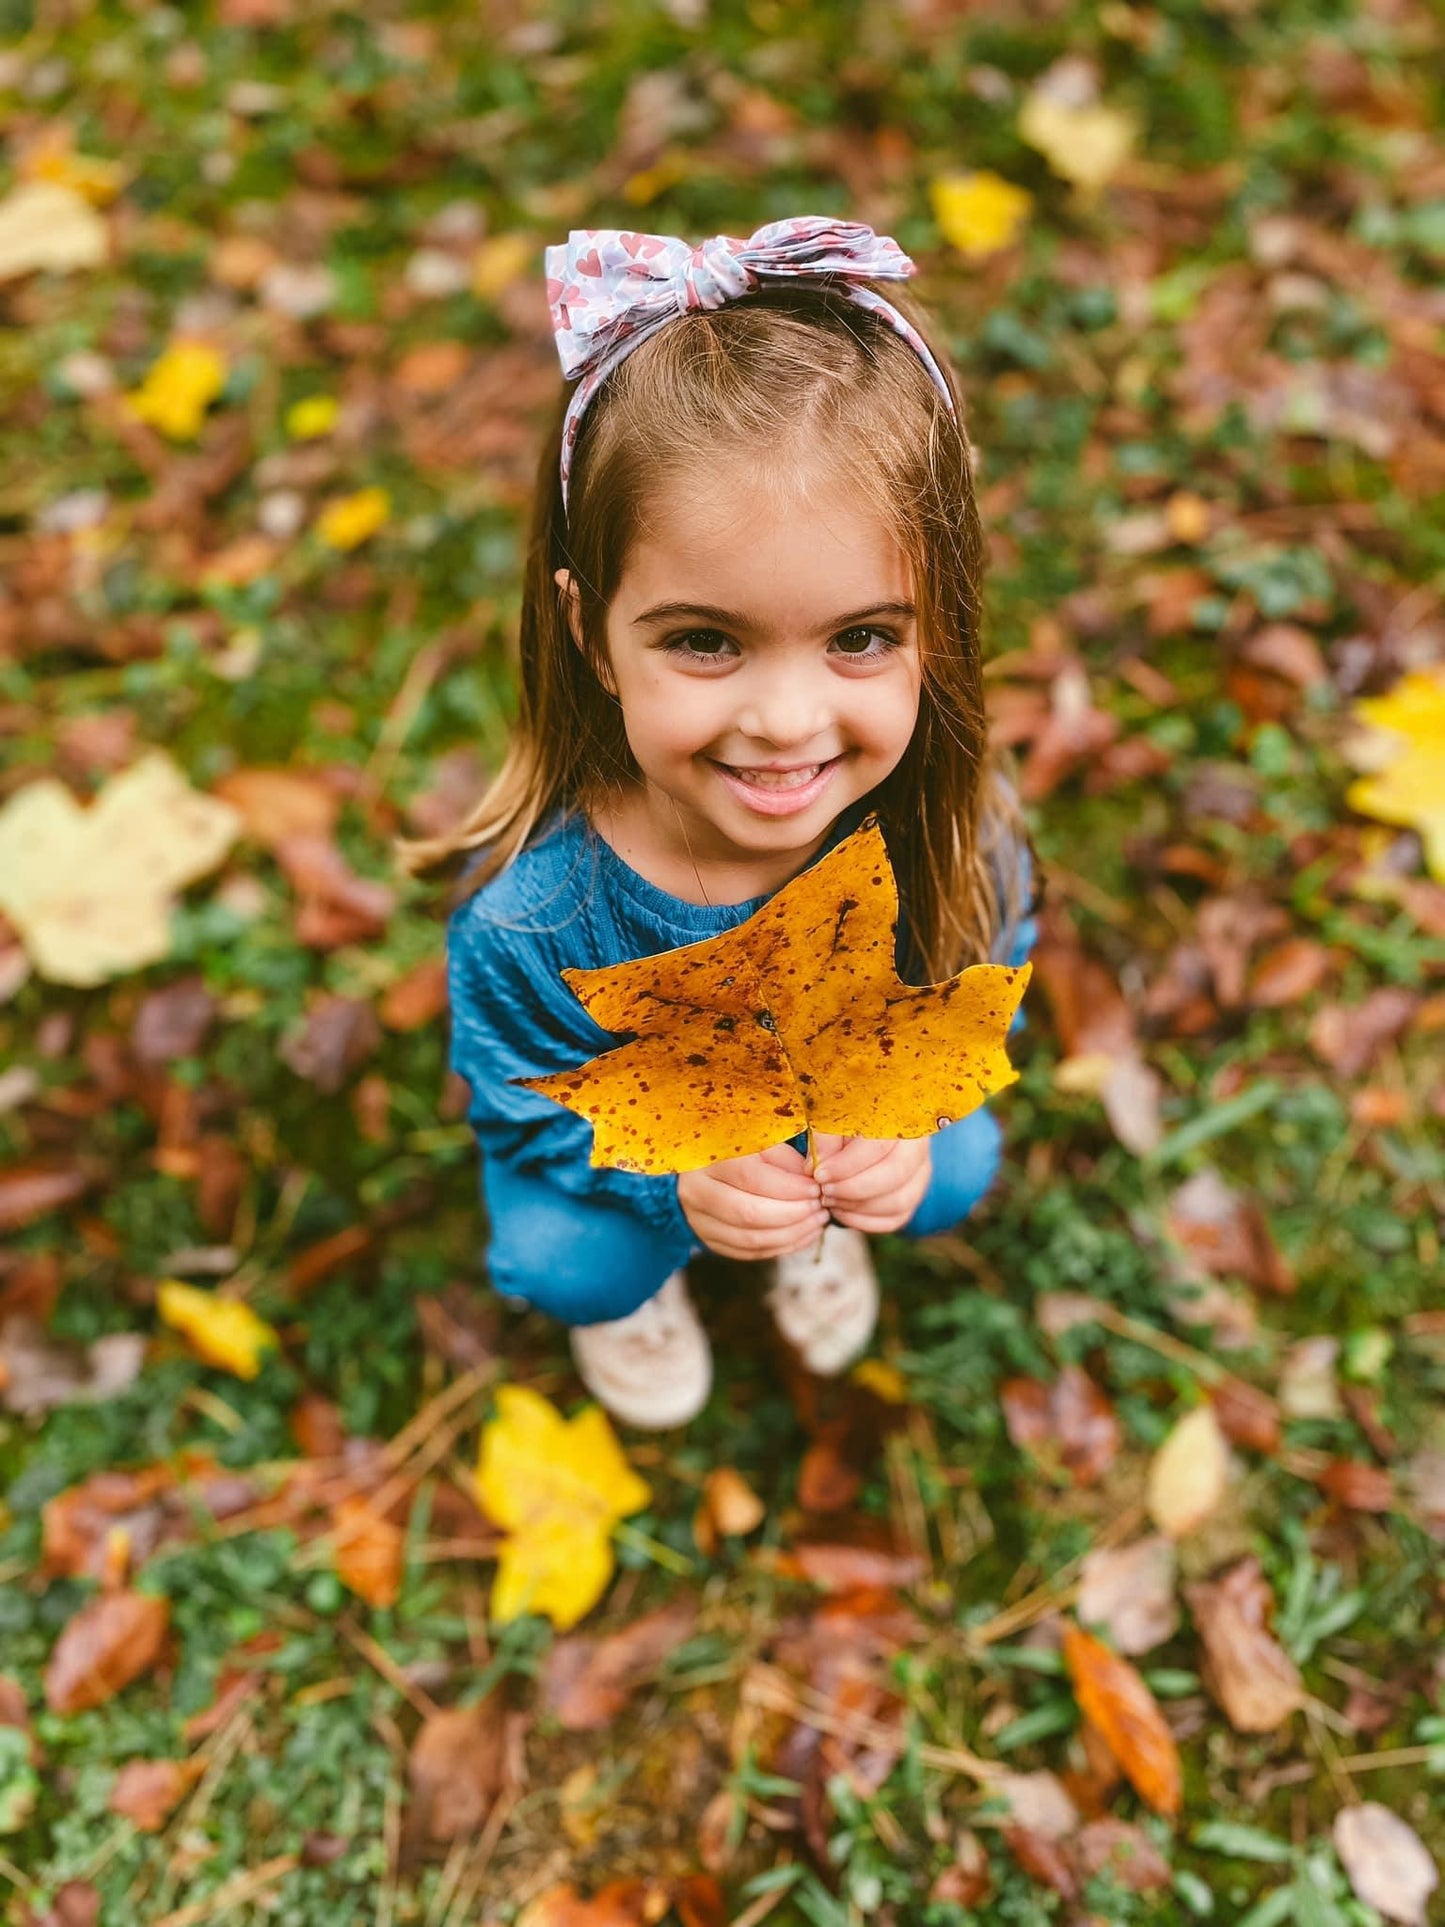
x=582, y=1243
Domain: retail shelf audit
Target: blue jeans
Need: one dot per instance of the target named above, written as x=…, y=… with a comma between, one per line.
x=587, y=1261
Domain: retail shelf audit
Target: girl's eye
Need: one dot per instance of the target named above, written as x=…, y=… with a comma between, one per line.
x=701, y=645
x=865, y=645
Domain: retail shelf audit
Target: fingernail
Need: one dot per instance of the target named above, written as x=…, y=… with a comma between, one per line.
x=822, y=1173
x=829, y=1200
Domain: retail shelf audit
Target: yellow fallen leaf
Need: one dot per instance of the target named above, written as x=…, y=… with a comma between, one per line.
x=1188, y=1474
x=499, y=261
x=45, y=225
x=223, y=1331
x=794, y=1021
x=557, y=1487
x=979, y=213
x=53, y=158
x=353, y=519
x=90, y=890
x=877, y=1375
x=1086, y=143
x=179, y=387
x=313, y=416
x=1407, y=783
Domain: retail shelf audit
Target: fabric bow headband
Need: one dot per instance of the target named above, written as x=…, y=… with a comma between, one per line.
x=609, y=290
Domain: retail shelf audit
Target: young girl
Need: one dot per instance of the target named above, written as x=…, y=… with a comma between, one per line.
x=751, y=616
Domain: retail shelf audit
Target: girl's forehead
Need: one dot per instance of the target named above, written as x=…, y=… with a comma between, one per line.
x=754, y=527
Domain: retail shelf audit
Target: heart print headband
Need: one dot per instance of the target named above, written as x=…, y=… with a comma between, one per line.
x=609, y=290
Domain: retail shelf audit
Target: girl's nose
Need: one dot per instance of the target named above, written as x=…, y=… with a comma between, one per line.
x=785, y=712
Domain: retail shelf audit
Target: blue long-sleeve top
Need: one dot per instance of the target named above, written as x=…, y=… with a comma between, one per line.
x=567, y=901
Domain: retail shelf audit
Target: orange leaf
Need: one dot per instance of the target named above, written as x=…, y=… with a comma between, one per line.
x=368, y=1552
x=1113, y=1696
x=795, y=1020
x=110, y=1642
x=147, y=1792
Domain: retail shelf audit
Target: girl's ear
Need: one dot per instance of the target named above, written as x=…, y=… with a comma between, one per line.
x=573, y=601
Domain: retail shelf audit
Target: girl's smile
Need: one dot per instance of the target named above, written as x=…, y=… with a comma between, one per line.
x=762, y=645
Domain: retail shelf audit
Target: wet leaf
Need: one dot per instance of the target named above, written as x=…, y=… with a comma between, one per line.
x=110, y=1642
x=223, y=1331
x=793, y=1021
x=1114, y=1697
x=456, y=1769
x=979, y=213
x=90, y=889
x=1387, y=1863
x=557, y=1487
x=1189, y=1474
x=1128, y=1591
x=1245, y=1667
x=587, y=1680
x=1070, y=1423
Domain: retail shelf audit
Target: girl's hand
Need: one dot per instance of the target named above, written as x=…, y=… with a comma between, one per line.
x=754, y=1207
x=872, y=1184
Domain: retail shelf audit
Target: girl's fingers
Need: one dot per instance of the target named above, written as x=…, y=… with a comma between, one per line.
x=856, y=1155
x=890, y=1178
x=754, y=1177
x=753, y=1211
x=780, y=1157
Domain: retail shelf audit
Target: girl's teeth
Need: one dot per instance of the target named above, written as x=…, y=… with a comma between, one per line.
x=778, y=779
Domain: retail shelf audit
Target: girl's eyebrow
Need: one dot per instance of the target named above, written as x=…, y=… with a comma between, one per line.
x=731, y=619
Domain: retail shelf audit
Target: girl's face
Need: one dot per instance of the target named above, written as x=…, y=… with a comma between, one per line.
x=764, y=651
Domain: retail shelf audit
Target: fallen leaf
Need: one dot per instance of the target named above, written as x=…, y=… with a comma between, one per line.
x=620, y=1903
x=586, y=1680
x=1069, y=1423
x=1083, y=140
x=1308, y=1385
x=844, y=1568
x=456, y=1769
x=38, y=1373
x=967, y=1881
x=368, y=1552
x=1247, y=1416
x=223, y=1331
x=337, y=1036
x=1128, y=1591
x=795, y=1020
x=29, y=1191
x=1188, y=1474
x=1360, y=1486
x=1388, y=1864
x=1037, y=1802
x=90, y=890
x=556, y=1487
x=1123, y=1853
x=1407, y=785
x=1226, y=1235
x=978, y=213
x=46, y=225
x=353, y=519
x=179, y=387
x=1349, y=1037
x=274, y=804
x=77, y=1904
x=147, y=1792
x=111, y=1641
x=1114, y=1697
x=312, y=417
x=1047, y=1861
x=1246, y=1669
x=730, y=1508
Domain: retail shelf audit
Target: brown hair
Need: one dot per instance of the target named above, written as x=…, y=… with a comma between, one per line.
x=787, y=367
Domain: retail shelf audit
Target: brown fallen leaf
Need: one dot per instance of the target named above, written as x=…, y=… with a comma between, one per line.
x=336, y=905
x=418, y=998
x=1123, y=1852
x=1246, y=1669
x=278, y=803
x=1288, y=973
x=76, y=1904
x=621, y=1903
x=39, y=1373
x=1247, y=1416
x=147, y=1792
x=336, y=1038
x=1047, y=1861
x=1069, y=1425
x=457, y=1768
x=111, y=1641
x=28, y=1191
x=1349, y=1037
x=1114, y=1697
x=1129, y=1592
x=844, y=1568
x=729, y=1509
x=1360, y=1486
x=1226, y=1235
x=1388, y=1864
x=587, y=1680
x=368, y=1551
x=967, y=1881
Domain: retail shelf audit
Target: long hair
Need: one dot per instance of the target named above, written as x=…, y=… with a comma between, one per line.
x=791, y=368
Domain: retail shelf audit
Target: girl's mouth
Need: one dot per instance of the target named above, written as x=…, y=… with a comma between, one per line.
x=778, y=792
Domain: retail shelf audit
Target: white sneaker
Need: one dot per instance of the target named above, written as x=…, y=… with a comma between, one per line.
x=653, y=1368
x=825, y=1300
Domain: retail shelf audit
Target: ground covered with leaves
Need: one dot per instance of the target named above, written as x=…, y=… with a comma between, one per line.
x=1109, y=1586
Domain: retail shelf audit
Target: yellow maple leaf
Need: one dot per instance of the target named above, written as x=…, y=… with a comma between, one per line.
x=979, y=213
x=312, y=417
x=179, y=387
x=353, y=519
x=90, y=890
x=499, y=261
x=1407, y=783
x=557, y=1487
x=794, y=1021
x=1085, y=142
x=223, y=1331
x=53, y=158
